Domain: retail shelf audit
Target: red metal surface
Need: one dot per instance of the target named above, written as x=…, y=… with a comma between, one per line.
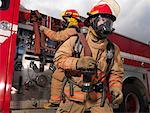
x=24, y=16
x=7, y=52
x=3, y=70
x=37, y=38
x=131, y=46
x=10, y=68
x=136, y=63
x=134, y=49
x=7, y=14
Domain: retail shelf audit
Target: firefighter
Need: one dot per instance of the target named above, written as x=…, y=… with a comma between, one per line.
x=78, y=97
x=72, y=21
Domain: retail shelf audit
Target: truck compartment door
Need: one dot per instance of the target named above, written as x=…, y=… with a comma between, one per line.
x=9, y=10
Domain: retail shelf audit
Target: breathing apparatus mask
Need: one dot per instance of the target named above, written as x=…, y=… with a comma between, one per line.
x=102, y=25
x=64, y=24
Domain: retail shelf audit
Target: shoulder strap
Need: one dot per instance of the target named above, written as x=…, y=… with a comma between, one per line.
x=81, y=43
x=110, y=51
x=87, y=50
x=77, y=48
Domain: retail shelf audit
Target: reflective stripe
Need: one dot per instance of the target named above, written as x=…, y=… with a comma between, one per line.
x=81, y=96
x=55, y=97
x=28, y=27
x=115, y=80
x=5, y=32
x=115, y=86
x=78, y=95
x=8, y=32
x=2, y=39
x=15, y=27
x=135, y=57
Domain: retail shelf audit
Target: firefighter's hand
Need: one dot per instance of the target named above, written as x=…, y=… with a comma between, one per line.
x=42, y=28
x=85, y=63
x=33, y=18
x=117, y=96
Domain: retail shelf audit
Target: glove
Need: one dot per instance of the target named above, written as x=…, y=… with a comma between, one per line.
x=117, y=96
x=86, y=63
x=33, y=18
x=42, y=28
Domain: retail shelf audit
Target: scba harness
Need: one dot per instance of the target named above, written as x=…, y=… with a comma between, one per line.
x=87, y=85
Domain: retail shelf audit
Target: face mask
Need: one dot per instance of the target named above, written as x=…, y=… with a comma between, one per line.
x=102, y=29
x=64, y=24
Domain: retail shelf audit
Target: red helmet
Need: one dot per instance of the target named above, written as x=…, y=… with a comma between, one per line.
x=71, y=13
x=106, y=7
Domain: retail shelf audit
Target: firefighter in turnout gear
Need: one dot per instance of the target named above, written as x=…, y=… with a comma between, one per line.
x=72, y=21
x=91, y=77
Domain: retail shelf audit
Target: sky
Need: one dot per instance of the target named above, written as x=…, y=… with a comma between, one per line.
x=133, y=20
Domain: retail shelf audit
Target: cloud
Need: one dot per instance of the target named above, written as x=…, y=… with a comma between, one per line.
x=55, y=7
x=133, y=20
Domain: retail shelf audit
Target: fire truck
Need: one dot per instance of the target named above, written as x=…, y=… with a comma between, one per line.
x=25, y=76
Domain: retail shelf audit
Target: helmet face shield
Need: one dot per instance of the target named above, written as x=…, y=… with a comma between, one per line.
x=102, y=25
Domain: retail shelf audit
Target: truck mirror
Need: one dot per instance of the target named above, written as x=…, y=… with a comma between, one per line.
x=4, y=4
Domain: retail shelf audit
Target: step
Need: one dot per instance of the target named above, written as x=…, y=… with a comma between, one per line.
x=52, y=110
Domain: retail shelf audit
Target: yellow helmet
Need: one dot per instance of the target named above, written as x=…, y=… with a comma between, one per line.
x=71, y=13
